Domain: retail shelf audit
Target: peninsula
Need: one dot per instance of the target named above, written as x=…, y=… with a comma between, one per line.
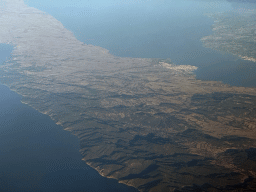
x=146, y=122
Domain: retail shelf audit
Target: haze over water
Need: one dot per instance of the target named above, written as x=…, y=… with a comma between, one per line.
x=149, y=29
x=154, y=29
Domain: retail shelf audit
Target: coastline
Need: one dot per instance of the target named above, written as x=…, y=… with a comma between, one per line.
x=79, y=172
x=129, y=103
x=26, y=103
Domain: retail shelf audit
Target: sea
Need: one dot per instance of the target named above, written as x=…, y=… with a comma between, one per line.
x=38, y=155
x=155, y=29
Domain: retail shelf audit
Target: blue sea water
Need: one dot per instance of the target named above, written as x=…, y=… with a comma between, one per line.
x=38, y=155
x=154, y=29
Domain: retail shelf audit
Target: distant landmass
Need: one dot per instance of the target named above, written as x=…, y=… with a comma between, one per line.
x=235, y=33
x=146, y=122
x=243, y=1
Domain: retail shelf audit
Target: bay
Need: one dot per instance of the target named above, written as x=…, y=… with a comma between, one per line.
x=38, y=155
x=155, y=29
